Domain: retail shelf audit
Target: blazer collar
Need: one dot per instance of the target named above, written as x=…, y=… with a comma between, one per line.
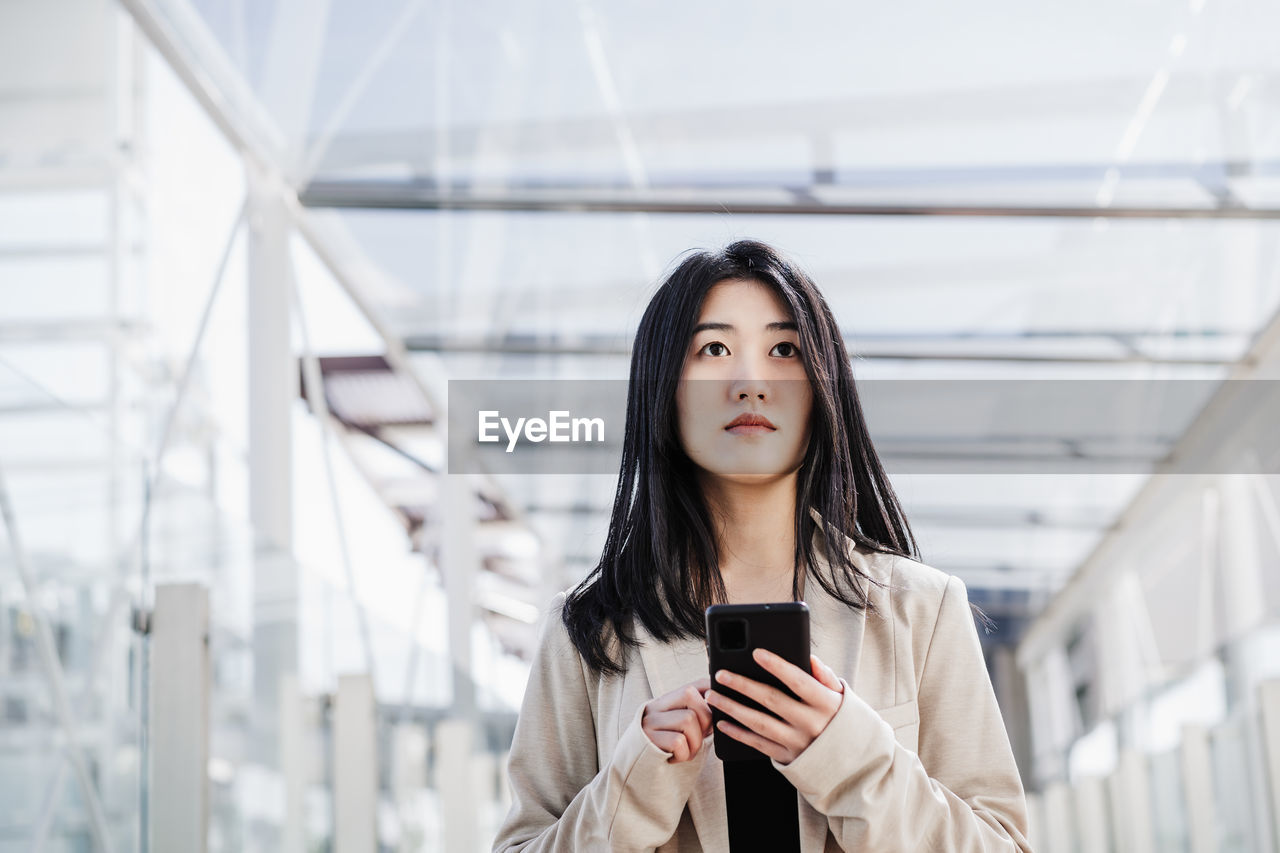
x=836, y=632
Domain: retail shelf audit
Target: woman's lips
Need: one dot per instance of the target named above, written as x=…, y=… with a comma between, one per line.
x=749, y=429
x=750, y=423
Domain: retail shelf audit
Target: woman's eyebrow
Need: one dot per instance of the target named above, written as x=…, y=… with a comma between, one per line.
x=779, y=326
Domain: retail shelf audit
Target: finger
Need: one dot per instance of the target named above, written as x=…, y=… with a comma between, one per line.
x=836, y=684
x=678, y=697
x=667, y=701
x=759, y=722
x=692, y=729
x=672, y=742
x=770, y=697
x=818, y=670
x=685, y=721
x=750, y=738
x=800, y=682
x=675, y=720
x=825, y=674
x=696, y=702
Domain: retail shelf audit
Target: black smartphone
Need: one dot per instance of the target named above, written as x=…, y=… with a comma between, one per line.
x=733, y=632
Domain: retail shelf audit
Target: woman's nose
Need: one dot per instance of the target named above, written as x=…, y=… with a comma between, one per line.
x=750, y=389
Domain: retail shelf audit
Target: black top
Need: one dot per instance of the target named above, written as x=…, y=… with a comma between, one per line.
x=762, y=806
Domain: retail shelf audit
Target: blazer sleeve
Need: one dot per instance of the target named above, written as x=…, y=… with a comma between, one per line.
x=960, y=792
x=563, y=798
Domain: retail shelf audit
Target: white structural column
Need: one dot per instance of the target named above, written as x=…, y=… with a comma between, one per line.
x=504, y=783
x=273, y=381
x=1059, y=817
x=294, y=729
x=1011, y=690
x=1035, y=824
x=1241, y=564
x=273, y=386
x=453, y=736
x=1055, y=716
x=484, y=790
x=179, y=790
x=1197, y=787
x=355, y=767
x=459, y=563
x=1269, y=702
x=1092, y=825
x=454, y=783
x=409, y=783
x=1130, y=791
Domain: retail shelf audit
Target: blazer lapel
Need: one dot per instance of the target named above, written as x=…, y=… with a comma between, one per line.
x=835, y=629
x=835, y=633
x=668, y=666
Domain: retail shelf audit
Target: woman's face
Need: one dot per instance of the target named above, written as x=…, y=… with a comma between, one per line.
x=744, y=359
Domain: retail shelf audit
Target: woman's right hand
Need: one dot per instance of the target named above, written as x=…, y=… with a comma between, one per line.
x=678, y=721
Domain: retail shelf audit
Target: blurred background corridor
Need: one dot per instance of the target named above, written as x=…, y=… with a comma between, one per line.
x=245, y=247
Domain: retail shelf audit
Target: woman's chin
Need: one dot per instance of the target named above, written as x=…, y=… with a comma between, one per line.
x=758, y=476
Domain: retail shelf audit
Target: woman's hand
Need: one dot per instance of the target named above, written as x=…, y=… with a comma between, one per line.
x=678, y=721
x=802, y=721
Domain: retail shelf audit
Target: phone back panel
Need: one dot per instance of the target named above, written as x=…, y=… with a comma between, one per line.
x=733, y=631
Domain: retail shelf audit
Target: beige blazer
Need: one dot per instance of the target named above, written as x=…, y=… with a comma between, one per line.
x=916, y=757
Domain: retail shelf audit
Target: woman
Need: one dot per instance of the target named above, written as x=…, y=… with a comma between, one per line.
x=748, y=475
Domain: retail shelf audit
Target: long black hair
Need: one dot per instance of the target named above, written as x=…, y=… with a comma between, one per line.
x=659, y=561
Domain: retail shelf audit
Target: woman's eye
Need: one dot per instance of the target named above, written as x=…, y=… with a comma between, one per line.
x=708, y=347
x=789, y=349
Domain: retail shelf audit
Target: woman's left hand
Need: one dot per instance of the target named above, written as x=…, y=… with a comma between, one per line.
x=802, y=720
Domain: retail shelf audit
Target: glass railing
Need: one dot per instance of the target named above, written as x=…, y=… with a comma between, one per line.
x=1210, y=792
x=72, y=750
x=85, y=565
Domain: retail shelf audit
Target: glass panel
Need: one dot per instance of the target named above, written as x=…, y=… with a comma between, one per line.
x=68, y=564
x=1149, y=108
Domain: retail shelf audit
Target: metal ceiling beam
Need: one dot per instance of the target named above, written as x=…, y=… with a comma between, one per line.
x=612, y=346
x=381, y=195
x=1185, y=333
x=1209, y=177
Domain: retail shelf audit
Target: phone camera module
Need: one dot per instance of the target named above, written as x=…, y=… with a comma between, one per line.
x=731, y=635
